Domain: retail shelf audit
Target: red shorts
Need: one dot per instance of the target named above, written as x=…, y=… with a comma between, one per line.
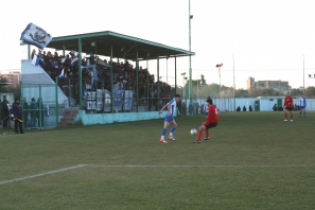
x=211, y=125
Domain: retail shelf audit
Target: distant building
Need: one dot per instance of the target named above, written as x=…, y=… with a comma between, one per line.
x=250, y=83
x=277, y=85
x=10, y=77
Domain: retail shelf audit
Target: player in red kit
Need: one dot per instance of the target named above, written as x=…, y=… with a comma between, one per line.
x=288, y=104
x=211, y=122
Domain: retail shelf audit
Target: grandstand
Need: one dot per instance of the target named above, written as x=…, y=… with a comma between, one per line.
x=103, y=91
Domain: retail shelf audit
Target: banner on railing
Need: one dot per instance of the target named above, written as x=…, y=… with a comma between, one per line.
x=128, y=100
x=117, y=94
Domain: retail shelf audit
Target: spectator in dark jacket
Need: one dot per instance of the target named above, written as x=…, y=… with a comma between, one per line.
x=33, y=111
x=17, y=116
x=4, y=113
x=40, y=113
x=25, y=108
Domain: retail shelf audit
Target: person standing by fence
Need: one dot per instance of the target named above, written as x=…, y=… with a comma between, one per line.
x=4, y=113
x=17, y=116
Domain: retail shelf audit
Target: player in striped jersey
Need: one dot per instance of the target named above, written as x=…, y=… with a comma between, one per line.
x=169, y=118
x=303, y=105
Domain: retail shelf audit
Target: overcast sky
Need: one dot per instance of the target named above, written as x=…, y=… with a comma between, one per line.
x=267, y=37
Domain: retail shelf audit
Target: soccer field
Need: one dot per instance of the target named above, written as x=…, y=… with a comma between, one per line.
x=253, y=161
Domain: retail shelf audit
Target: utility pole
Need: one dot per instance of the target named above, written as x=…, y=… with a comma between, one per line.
x=303, y=74
x=234, y=87
x=219, y=69
x=190, y=70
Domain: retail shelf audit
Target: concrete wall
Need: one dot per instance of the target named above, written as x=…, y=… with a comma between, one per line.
x=92, y=119
x=32, y=76
x=227, y=104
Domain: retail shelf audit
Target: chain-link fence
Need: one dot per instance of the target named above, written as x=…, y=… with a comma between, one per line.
x=40, y=106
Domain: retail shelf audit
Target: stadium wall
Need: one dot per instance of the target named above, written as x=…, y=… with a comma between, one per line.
x=265, y=103
x=108, y=118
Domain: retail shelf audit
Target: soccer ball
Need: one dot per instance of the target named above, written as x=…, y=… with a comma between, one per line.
x=193, y=132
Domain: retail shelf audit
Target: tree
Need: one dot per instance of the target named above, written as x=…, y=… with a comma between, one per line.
x=241, y=93
x=310, y=92
x=296, y=92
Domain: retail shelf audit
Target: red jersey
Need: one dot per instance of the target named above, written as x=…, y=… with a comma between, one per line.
x=213, y=116
x=288, y=102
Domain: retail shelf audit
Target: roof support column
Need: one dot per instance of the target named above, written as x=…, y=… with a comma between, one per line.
x=158, y=82
x=80, y=71
x=175, y=77
x=137, y=81
x=28, y=51
x=111, y=79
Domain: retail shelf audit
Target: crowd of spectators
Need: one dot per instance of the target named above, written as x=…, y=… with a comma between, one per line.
x=33, y=113
x=96, y=74
x=250, y=108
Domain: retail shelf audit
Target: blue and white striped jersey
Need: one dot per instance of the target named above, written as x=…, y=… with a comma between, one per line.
x=303, y=101
x=173, y=106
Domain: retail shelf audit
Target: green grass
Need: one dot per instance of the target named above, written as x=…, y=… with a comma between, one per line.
x=253, y=161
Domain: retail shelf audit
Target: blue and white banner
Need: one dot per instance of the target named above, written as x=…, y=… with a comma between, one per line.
x=128, y=100
x=74, y=61
x=36, y=36
x=117, y=93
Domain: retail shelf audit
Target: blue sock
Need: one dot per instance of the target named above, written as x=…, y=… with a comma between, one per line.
x=173, y=130
x=163, y=131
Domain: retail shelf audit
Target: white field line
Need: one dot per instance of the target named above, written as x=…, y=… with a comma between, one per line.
x=199, y=166
x=151, y=166
x=41, y=174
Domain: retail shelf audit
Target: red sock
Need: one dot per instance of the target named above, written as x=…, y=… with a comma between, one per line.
x=207, y=132
x=285, y=116
x=199, y=135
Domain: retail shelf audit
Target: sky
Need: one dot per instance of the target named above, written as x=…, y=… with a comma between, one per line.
x=267, y=38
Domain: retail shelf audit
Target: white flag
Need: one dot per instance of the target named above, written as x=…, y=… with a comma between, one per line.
x=36, y=36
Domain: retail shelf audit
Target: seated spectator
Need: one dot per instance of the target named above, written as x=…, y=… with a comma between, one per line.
x=250, y=108
x=56, y=56
x=244, y=108
x=275, y=108
x=238, y=109
x=280, y=108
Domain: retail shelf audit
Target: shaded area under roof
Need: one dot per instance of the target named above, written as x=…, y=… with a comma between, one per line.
x=123, y=46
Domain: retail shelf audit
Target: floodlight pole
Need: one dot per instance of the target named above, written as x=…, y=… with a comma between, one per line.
x=137, y=80
x=219, y=69
x=234, y=87
x=303, y=74
x=175, y=77
x=190, y=70
x=28, y=51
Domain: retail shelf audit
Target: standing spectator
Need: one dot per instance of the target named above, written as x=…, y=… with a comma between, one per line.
x=244, y=108
x=17, y=116
x=41, y=112
x=92, y=58
x=250, y=108
x=25, y=111
x=4, y=113
x=33, y=108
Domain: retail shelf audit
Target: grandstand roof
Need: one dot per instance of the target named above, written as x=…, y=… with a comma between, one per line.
x=123, y=46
